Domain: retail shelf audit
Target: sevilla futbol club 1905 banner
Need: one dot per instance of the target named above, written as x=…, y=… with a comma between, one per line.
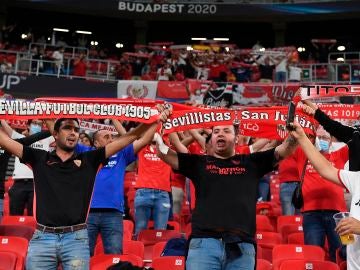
x=258, y=122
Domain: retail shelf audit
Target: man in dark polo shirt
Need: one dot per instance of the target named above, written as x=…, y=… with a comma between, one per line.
x=64, y=182
x=226, y=184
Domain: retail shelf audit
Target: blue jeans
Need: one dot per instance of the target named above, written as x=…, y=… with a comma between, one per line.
x=317, y=225
x=264, y=188
x=280, y=76
x=286, y=193
x=110, y=226
x=209, y=254
x=47, y=250
x=151, y=201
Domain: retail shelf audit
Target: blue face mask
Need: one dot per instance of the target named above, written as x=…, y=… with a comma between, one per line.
x=324, y=145
x=34, y=128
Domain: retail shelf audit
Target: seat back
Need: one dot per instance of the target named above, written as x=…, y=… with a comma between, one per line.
x=288, y=229
x=296, y=252
x=151, y=237
x=103, y=261
x=19, y=220
x=296, y=238
x=133, y=247
x=169, y=263
x=158, y=249
x=267, y=241
x=263, y=265
x=8, y=260
x=128, y=226
x=286, y=220
x=171, y=225
x=308, y=265
x=263, y=224
x=17, y=230
x=16, y=245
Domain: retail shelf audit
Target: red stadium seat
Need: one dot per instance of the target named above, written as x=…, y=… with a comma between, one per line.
x=19, y=220
x=128, y=226
x=258, y=252
x=18, y=246
x=296, y=252
x=267, y=241
x=343, y=265
x=311, y=265
x=289, y=229
x=158, y=249
x=285, y=220
x=134, y=247
x=17, y=230
x=151, y=237
x=174, y=224
x=263, y=224
x=296, y=238
x=169, y=263
x=7, y=260
x=103, y=261
x=263, y=265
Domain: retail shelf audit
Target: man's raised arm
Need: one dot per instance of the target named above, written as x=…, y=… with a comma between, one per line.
x=11, y=145
x=166, y=154
x=320, y=163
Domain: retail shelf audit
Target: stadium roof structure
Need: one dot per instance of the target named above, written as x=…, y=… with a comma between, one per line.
x=225, y=10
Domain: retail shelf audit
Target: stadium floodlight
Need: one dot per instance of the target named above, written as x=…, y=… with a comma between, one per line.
x=340, y=59
x=189, y=48
x=119, y=45
x=83, y=32
x=23, y=36
x=341, y=48
x=221, y=39
x=262, y=49
x=61, y=30
x=198, y=38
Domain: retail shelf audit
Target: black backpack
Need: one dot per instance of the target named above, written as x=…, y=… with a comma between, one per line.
x=175, y=247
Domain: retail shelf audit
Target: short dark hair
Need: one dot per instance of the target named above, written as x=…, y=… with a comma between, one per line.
x=60, y=120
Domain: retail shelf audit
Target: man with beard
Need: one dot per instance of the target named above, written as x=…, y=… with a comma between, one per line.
x=224, y=183
x=64, y=183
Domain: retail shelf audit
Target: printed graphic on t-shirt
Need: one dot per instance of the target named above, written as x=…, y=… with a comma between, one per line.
x=214, y=169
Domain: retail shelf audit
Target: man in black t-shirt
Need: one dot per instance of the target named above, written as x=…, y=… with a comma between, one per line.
x=224, y=218
x=64, y=182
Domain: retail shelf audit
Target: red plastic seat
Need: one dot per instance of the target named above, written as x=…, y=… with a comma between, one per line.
x=311, y=265
x=103, y=261
x=158, y=248
x=289, y=229
x=263, y=265
x=17, y=230
x=286, y=220
x=19, y=220
x=296, y=252
x=128, y=226
x=169, y=263
x=151, y=237
x=173, y=224
x=134, y=247
x=296, y=238
x=343, y=265
x=18, y=246
x=258, y=252
x=8, y=260
x=263, y=224
x=267, y=241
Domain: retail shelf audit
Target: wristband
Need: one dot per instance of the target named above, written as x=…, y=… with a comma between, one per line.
x=162, y=146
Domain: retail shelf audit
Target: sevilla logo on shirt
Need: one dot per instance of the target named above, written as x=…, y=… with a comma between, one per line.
x=281, y=130
x=358, y=203
x=77, y=162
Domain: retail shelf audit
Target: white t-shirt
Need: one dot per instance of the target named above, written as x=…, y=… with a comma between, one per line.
x=351, y=180
x=295, y=73
x=22, y=171
x=281, y=67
